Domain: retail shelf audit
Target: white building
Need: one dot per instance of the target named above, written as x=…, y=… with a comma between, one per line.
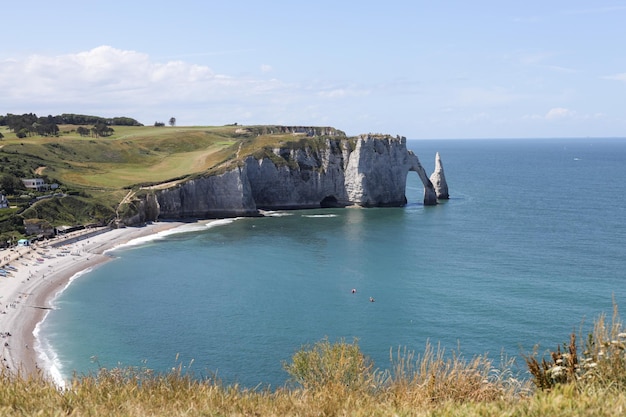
x=4, y=203
x=34, y=184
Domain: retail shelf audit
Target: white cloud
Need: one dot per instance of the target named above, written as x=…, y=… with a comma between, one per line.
x=341, y=92
x=559, y=113
x=108, y=81
x=118, y=79
x=617, y=77
x=541, y=60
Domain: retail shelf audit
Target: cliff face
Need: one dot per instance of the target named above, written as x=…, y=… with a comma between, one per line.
x=225, y=195
x=301, y=178
x=369, y=171
x=377, y=170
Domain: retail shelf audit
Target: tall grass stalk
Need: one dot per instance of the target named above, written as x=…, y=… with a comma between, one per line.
x=436, y=377
x=604, y=361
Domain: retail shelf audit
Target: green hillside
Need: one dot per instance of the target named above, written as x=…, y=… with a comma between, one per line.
x=95, y=173
x=130, y=156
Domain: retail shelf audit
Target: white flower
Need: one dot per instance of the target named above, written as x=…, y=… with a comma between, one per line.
x=557, y=371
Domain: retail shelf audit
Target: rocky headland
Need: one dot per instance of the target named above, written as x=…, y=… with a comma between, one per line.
x=315, y=172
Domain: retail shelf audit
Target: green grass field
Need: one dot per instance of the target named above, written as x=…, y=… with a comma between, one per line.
x=134, y=155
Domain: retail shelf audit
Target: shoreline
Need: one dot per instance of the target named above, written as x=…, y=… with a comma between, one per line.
x=38, y=273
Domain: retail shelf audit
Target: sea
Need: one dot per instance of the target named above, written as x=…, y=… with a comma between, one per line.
x=529, y=248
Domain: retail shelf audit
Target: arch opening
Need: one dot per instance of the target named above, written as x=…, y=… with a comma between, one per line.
x=330, y=201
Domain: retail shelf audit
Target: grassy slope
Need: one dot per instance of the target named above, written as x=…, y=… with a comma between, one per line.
x=134, y=155
x=103, y=169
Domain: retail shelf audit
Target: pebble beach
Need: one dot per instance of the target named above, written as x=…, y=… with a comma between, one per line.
x=33, y=276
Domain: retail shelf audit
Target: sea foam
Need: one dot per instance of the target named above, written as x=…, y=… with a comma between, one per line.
x=45, y=352
x=185, y=228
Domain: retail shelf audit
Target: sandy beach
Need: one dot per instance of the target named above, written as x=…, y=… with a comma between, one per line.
x=35, y=274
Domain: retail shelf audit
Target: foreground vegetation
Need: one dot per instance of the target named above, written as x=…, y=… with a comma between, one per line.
x=336, y=379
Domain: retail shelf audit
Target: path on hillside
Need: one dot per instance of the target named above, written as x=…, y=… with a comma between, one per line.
x=239, y=149
x=162, y=185
x=125, y=200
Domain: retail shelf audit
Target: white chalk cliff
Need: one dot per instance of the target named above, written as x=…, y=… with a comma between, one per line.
x=438, y=178
x=368, y=171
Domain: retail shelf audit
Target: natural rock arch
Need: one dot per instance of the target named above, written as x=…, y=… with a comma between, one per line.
x=430, y=196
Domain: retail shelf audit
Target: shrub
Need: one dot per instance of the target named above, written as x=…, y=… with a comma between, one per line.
x=601, y=366
x=328, y=365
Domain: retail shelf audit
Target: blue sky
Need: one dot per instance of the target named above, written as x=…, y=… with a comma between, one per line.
x=421, y=69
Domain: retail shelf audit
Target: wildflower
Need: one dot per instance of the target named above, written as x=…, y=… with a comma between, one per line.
x=557, y=371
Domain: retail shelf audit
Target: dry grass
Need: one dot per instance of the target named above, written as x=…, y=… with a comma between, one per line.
x=436, y=378
x=328, y=379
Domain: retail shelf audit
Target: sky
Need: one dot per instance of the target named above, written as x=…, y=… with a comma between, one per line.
x=415, y=68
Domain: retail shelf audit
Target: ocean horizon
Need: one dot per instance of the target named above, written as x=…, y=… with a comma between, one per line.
x=529, y=248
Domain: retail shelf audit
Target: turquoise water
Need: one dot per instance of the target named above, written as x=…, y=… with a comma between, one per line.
x=529, y=248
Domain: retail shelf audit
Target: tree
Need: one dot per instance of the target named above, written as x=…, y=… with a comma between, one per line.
x=1, y=136
x=101, y=129
x=10, y=184
x=83, y=131
x=46, y=126
x=18, y=123
x=172, y=121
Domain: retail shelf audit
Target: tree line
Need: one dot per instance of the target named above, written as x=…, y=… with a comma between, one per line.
x=29, y=124
x=172, y=123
